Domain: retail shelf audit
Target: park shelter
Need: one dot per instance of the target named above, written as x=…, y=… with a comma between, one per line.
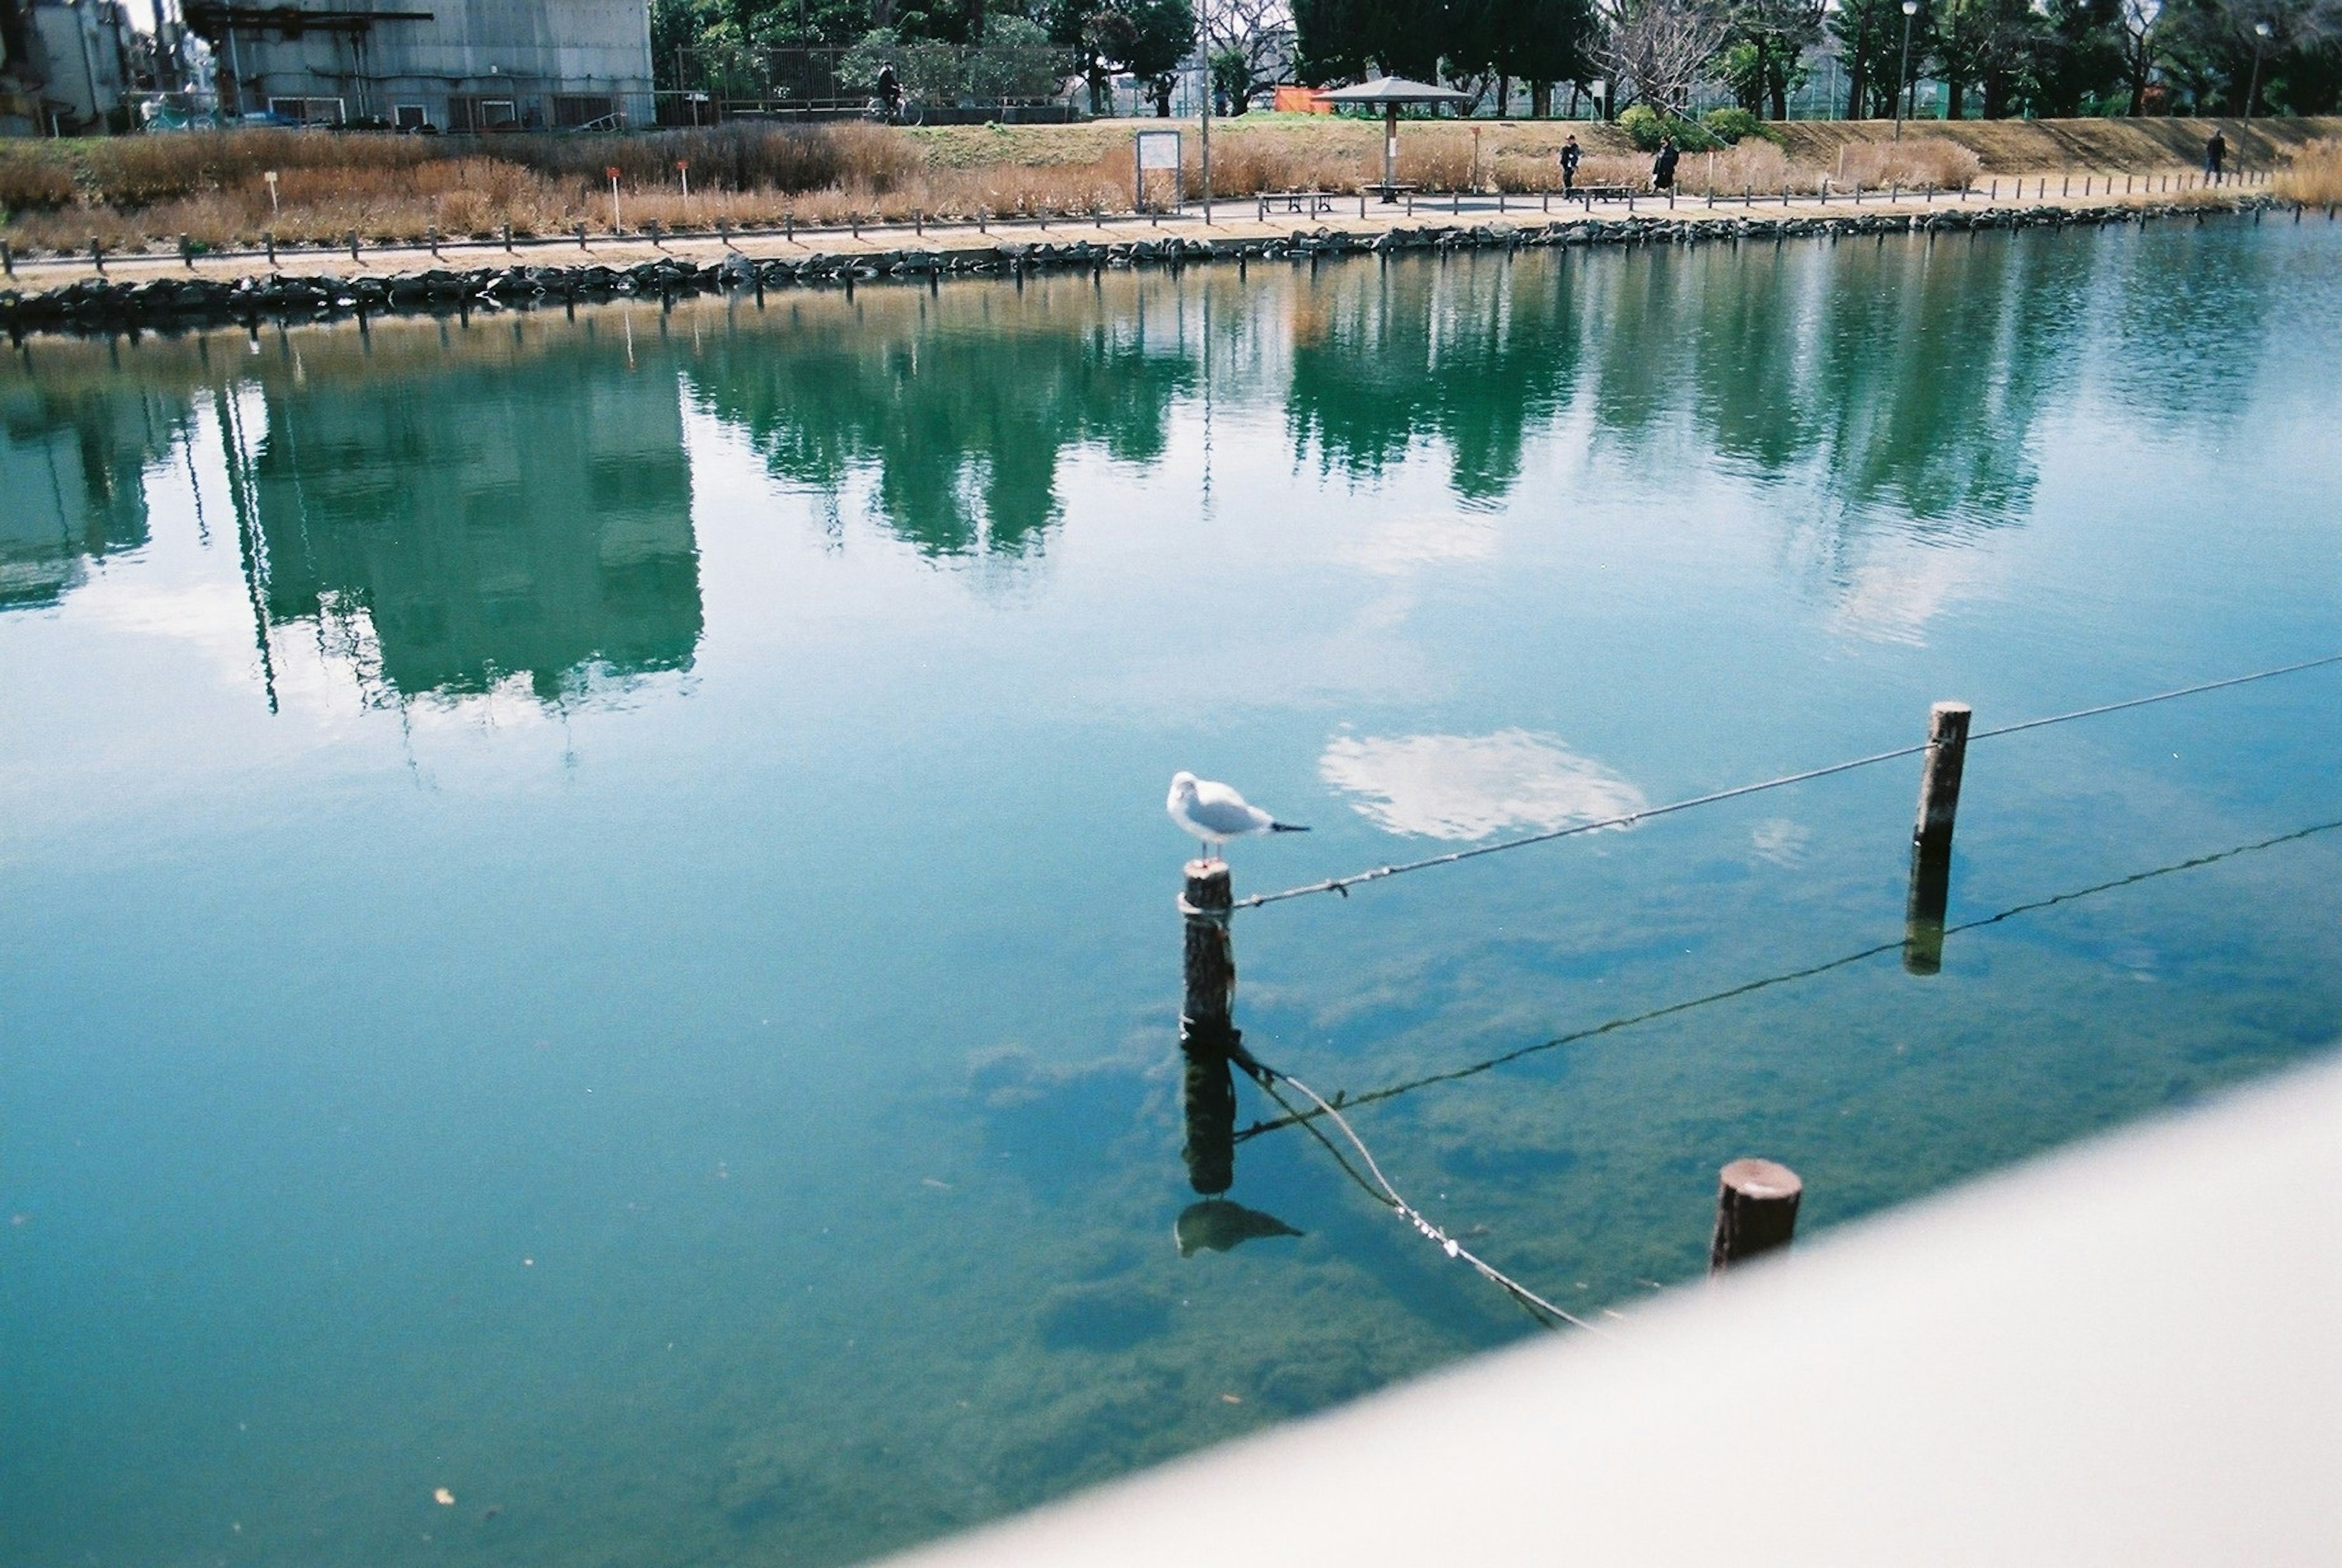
x=1391, y=93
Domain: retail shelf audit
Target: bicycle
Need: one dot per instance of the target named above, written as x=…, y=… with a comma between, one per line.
x=910, y=112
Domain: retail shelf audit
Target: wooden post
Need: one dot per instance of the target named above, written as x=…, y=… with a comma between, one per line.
x=1756, y=1212
x=430, y=239
x=187, y=253
x=1208, y=1035
x=268, y=238
x=7, y=258
x=1931, y=839
x=96, y=254
x=354, y=244
x=1939, y=783
x=508, y=245
x=581, y=238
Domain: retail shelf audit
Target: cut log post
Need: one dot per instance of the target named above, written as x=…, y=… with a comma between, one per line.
x=1939, y=782
x=1931, y=838
x=1208, y=1035
x=1756, y=1212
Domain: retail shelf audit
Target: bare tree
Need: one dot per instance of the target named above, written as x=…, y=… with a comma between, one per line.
x=1248, y=45
x=1658, y=50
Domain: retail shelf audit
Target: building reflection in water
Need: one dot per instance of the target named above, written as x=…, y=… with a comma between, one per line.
x=72, y=482
x=521, y=520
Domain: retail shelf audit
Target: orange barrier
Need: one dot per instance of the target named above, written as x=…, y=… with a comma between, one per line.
x=1301, y=101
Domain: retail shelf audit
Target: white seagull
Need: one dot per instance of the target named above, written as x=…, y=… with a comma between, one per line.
x=1217, y=813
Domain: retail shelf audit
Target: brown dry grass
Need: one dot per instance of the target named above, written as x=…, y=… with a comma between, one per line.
x=2314, y=178
x=141, y=191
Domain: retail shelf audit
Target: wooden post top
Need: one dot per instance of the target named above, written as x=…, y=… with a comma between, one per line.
x=1763, y=1180
x=1208, y=890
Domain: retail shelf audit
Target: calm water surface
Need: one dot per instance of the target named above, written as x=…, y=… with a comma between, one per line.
x=588, y=920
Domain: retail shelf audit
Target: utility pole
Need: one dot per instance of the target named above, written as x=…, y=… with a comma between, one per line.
x=1204, y=34
x=1910, y=9
x=2260, y=39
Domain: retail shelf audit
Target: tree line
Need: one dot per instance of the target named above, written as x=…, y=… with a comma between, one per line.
x=1993, y=59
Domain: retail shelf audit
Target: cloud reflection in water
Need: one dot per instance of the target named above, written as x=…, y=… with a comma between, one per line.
x=1469, y=786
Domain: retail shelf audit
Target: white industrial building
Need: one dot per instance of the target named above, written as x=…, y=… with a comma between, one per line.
x=437, y=65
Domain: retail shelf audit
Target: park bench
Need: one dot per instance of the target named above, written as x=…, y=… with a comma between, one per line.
x=1312, y=204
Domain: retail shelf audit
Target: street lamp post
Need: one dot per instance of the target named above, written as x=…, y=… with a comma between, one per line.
x=2260, y=39
x=1910, y=9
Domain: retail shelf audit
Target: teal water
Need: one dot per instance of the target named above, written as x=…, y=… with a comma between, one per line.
x=588, y=919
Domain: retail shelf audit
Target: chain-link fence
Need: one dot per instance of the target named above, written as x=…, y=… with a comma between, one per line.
x=936, y=80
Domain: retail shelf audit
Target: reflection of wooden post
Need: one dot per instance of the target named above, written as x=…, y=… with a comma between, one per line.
x=1756, y=1212
x=1206, y=1035
x=1923, y=911
x=1931, y=838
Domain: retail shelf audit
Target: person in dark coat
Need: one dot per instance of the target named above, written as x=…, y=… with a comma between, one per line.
x=2216, y=155
x=890, y=92
x=1572, y=154
x=1663, y=168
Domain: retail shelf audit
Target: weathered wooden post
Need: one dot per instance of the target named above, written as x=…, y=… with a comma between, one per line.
x=1208, y=1035
x=1931, y=838
x=187, y=253
x=7, y=258
x=430, y=239
x=354, y=244
x=508, y=245
x=1756, y=1212
x=96, y=254
x=268, y=239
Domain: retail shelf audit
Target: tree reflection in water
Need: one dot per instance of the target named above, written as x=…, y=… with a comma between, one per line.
x=465, y=504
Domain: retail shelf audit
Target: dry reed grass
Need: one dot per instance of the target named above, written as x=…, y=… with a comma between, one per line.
x=2313, y=177
x=142, y=193
x=1922, y=162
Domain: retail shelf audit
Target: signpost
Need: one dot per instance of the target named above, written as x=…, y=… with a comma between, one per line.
x=1157, y=150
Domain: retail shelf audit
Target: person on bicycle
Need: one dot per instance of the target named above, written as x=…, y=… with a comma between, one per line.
x=890, y=92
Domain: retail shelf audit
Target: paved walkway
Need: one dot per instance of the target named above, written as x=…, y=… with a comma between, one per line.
x=1237, y=219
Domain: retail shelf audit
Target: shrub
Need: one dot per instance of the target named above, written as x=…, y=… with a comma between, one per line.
x=1732, y=126
x=33, y=182
x=1649, y=128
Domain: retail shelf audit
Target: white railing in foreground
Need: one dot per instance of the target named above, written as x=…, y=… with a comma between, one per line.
x=2124, y=1353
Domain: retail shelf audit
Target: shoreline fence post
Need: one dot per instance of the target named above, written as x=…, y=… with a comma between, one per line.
x=1208, y=1037
x=1931, y=838
x=1756, y=1212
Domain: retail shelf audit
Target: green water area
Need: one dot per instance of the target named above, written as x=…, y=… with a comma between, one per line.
x=588, y=962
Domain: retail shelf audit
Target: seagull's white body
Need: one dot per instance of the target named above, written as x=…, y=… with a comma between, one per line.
x=1215, y=812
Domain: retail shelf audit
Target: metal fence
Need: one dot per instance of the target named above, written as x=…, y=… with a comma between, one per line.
x=937, y=79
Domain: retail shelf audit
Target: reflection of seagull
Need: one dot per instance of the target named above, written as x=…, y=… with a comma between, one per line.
x=1217, y=813
x=1220, y=1224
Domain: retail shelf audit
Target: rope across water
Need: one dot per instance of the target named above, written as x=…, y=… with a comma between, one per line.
x=1342, y=885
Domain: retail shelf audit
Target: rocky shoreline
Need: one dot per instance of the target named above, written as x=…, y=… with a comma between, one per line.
x=101, y=306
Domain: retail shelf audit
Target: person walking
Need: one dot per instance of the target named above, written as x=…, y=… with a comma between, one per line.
x=1572, y=154
x=2216, y=155
x=1663, y=168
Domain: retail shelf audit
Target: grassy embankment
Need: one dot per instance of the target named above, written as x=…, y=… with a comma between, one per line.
x=141, y=192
